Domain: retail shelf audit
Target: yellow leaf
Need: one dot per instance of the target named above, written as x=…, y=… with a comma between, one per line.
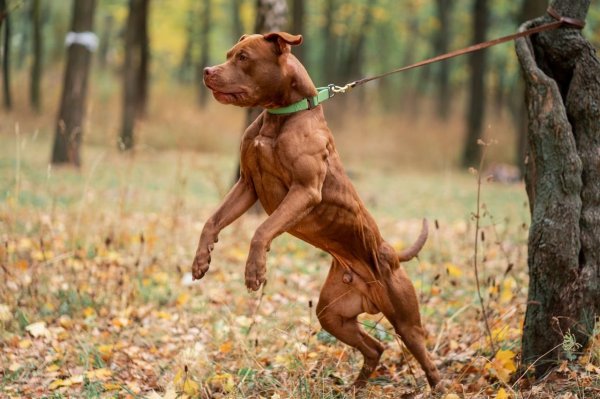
x=89, y=312
x=507, y=290
x=105, y=351
x=52, y=368
x=225, y=347
x=65, y=322
x=506, y=358
x=503, y=365
x=502, y=394
x=163, y=315
x=109, y=386
x=191, y=387
x=222, y=381
x=99, y=374
x=58, y=383
x=25, y=343
x=453, y=270
x=183, y=298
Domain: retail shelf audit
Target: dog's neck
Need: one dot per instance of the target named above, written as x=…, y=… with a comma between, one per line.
x=299, y=85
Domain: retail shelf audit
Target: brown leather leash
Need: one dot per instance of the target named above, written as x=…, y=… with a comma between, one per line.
x=560, y=21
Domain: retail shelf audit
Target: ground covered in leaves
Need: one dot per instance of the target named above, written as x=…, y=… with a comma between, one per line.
x=96, y=298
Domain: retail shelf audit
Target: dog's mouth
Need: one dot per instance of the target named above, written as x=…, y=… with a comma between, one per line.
x=225, y=97
x=228, y=97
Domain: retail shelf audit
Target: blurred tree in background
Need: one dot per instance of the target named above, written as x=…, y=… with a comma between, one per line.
x=344, y=40
x=135, y=70
x=69, y=126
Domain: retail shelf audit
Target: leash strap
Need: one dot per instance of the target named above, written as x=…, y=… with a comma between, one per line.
x=559, y=22
x=325, y=93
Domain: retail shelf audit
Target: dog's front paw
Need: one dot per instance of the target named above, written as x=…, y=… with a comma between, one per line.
x=201, y=264
x=256, y=271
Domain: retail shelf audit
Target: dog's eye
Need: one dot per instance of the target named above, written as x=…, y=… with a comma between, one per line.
x=242, y=57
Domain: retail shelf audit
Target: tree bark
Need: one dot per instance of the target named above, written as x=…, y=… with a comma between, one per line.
x=562, y=76
x=143, y=75
x=476, y=109
x=6, y=55
x=69, y=126
x=529, y=10
x=36, y=65
x=134, y=70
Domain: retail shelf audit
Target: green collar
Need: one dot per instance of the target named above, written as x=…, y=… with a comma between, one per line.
x=323, y=93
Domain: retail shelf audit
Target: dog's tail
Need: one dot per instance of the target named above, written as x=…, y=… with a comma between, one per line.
x=414, y=249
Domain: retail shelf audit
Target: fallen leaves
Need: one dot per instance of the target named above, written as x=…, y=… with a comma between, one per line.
x=108, y=314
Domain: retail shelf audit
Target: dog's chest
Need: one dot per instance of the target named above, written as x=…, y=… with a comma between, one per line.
x=262, y=163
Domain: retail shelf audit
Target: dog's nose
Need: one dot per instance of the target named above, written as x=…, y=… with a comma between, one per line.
x=208, y=71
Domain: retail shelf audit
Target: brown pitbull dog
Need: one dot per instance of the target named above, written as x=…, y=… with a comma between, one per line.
x=289, y=163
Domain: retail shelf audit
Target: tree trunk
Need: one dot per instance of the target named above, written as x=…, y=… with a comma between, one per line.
x=204, y=53
x=36, y=64
x=143, y=75
x=562, y=76
x=298, y=28
x=134, y=70
x=6, y=56
x=69, y=126
x=476, y=109
x=529, y=10
x=442, y=43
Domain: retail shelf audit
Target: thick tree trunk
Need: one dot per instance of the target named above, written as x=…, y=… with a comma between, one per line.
x=562, y=75
x=69, y=126
x=6, y=55
x=476, y=107
x=134, y=71
x=530, y=9
x=36, y=64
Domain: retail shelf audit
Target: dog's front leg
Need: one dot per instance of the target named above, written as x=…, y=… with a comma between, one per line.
x=241, y=197
x=298, y=203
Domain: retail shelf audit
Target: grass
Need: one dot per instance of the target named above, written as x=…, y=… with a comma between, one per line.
x=101, y=258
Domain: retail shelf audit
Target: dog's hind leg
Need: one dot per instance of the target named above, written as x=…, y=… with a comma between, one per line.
x=406, y=319
x=337, y=310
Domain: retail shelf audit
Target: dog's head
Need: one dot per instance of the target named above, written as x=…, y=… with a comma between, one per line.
x=260, y=71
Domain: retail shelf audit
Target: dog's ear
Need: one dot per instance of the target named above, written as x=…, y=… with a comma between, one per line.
x=284, y=40
x=242, y=38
